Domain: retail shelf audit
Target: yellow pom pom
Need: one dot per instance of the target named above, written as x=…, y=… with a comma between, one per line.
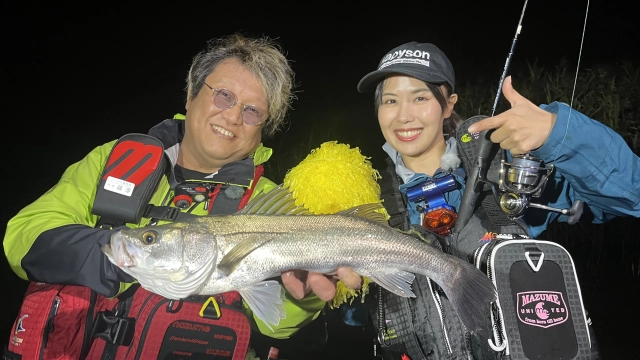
x=332, y=178
x=345, y=294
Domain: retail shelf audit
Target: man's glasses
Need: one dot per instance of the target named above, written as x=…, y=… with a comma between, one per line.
x=225, y=99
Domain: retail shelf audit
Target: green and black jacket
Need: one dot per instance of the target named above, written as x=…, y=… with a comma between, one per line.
x=54, y=239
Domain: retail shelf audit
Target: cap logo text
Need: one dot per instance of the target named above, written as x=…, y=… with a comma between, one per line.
x=406, y=56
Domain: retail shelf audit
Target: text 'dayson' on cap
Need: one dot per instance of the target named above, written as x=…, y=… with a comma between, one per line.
x=423, y=61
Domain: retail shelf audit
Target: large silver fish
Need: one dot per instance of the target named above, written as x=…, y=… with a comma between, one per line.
x=241, y=252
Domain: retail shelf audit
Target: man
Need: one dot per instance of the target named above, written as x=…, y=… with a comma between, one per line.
x=238, y=90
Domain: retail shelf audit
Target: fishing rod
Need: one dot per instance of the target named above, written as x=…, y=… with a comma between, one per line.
x=508, y=61
x=524, y=177
x=478, y=174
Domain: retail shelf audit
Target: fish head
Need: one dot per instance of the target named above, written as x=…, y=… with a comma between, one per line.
x=173, y=252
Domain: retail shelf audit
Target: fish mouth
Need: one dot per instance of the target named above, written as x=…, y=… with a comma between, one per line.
x=120, y=251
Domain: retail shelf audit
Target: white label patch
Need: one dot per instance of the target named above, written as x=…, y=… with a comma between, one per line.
x=119, y=186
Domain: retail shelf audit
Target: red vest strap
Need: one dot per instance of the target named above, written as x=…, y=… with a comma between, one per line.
x=247, y=195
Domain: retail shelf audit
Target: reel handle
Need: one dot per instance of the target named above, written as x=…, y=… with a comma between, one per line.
x=575, y=212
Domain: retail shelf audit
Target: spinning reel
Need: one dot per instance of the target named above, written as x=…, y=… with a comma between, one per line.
x=520, y=180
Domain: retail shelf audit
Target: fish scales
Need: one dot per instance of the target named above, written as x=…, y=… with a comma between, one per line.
x=244, y=251
x=321, y=244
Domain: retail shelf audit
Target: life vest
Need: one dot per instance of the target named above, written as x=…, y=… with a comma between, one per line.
x=75, y=322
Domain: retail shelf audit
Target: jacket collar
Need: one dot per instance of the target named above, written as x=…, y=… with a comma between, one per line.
x=171, y=132
x=410, y=177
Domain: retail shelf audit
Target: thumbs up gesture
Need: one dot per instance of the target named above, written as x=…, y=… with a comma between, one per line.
x=521, y=129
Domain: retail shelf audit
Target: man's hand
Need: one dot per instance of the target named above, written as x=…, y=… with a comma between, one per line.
x=523, y=128
x=301, y=283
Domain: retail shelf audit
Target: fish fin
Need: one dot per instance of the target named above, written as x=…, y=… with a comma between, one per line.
x=281, y=201
x=232, y=259
x=397, y=282
x=470, y=292
x=266, y=300
x=370, y=211
x=278, y=201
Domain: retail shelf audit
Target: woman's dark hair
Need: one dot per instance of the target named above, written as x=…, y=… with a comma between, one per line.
x=450, y=124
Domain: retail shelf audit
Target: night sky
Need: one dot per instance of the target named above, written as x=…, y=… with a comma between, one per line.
x=75, y=78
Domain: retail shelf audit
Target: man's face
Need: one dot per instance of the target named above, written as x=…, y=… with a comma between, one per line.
x=215, y=137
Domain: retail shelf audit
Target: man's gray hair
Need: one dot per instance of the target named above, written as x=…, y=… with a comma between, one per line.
x=263, y=57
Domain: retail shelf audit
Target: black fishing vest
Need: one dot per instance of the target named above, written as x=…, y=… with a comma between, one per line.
x=426, y=326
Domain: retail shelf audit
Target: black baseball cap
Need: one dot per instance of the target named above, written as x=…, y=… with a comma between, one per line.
x=422, y=61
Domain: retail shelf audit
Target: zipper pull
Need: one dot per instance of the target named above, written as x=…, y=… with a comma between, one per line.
x=54, y=311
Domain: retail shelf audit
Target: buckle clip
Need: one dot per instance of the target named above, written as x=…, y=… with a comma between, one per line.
x=114, y=329
x=161, y=212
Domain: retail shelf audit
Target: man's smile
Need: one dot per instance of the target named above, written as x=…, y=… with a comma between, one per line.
x=222, y=131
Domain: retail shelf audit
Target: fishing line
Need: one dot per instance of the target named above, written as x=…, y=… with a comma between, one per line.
x=575, y=81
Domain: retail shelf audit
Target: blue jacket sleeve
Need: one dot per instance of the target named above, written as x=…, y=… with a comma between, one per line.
x=592, y=163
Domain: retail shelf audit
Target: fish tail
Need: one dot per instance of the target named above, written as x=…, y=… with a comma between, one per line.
x=470, y=293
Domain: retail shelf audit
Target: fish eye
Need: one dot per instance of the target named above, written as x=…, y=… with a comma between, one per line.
x=149, y=237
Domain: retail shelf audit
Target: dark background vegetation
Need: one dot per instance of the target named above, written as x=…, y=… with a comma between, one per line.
x=76, y=77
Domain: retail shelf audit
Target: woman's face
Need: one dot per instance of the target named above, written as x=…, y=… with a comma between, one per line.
x=411, y=117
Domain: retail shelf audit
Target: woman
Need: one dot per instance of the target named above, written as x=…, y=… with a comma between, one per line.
x=414, y=99
x=414, y=89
